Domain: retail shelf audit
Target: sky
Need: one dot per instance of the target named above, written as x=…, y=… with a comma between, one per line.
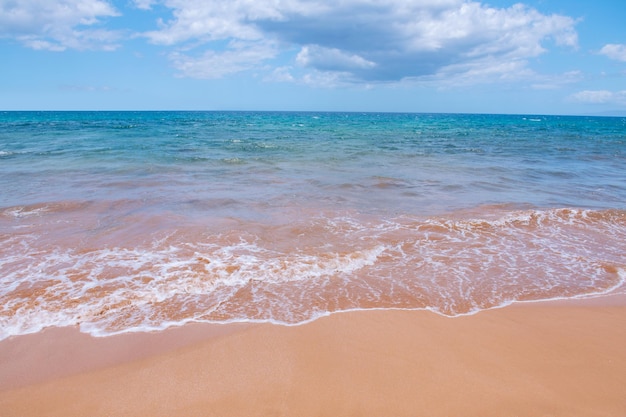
x=452, y=56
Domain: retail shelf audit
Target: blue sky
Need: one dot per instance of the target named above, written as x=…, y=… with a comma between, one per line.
x=495, y=56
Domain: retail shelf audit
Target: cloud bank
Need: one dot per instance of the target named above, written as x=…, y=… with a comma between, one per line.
x=314, y=41
x=359, y=40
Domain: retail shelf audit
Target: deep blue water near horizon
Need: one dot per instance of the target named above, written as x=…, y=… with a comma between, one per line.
x=149, y=219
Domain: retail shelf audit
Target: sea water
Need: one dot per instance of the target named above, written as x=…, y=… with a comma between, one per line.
x=136, y=221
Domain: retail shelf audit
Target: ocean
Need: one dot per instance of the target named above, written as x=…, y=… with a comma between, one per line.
x=137, y=221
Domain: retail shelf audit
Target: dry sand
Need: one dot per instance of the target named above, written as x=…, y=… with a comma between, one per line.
x=540, y=359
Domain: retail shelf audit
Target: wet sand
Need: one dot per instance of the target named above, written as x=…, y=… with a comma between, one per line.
x=537, y=359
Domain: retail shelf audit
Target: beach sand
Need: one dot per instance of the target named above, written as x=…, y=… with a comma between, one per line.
x=536, y=359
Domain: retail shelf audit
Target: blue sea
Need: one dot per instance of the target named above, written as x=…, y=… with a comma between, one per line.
x=138, y=221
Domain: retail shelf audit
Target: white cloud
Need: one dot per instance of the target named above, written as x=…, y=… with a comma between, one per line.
x=600, y=97
x=325, y=79
x=552, y=82
x=367, y=41
x=280, y=74
x=486, y=70
x=144, y=4
x=57, y=25
x=200, y=20
x=331, y=59
x=240, y=56
x=614, y=51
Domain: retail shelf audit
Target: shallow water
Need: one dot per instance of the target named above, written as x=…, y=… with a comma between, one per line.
x=131, y=221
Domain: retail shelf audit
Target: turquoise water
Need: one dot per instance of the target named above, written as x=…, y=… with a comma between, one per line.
x=422, y=163
x=126, y=221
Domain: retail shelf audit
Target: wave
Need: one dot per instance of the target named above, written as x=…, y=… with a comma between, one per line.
x=61, y=265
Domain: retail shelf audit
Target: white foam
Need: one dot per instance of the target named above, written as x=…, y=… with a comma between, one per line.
x=21, y=212
x=169, y=273
x=458, y=267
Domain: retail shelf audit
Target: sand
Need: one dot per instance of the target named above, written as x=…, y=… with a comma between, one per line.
x=536, y=359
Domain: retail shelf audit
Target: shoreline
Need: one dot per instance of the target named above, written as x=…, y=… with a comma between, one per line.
x=558, y=358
